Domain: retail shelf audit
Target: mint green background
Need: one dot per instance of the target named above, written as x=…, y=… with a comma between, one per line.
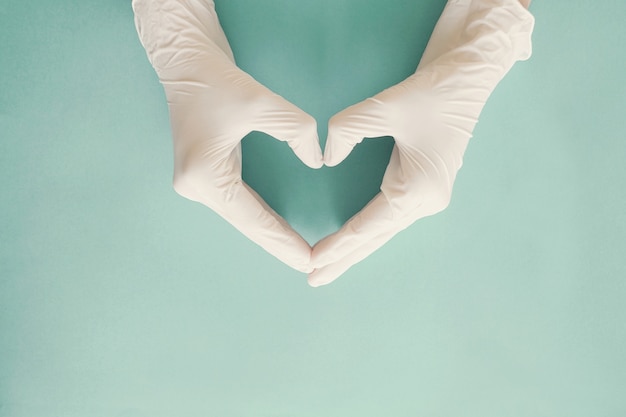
x=119, y=298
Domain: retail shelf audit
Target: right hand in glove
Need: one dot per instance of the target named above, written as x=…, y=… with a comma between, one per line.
x=431, y=116
x=213, y=105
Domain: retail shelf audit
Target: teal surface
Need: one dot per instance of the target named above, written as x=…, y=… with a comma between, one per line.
x=120, y=298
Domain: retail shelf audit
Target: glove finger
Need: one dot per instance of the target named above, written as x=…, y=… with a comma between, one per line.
x=251, y=215
x=243, y=208
x=288, y=123
x=350, y=126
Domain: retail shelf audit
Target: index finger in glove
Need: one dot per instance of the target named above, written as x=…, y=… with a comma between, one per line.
x=242, y=207
x=288, y=123
x=251, y=215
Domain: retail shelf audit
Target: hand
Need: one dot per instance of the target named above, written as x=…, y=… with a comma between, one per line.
x=213, y=104
x=431, y=116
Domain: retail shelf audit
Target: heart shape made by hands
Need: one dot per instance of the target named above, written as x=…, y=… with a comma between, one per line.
x=323, y=66
x=431, y=114
x=194, y=61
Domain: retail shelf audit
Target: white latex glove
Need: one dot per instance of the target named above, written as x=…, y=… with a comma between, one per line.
x=213, y=104
x=431, y=116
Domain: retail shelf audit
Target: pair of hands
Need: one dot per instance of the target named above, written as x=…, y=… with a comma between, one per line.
x=213, y=104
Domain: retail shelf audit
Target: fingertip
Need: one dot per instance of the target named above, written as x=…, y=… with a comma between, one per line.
x=313, y=280
x=309, y=152
x=331, y=163
x=334, y=153
x=321, y=277
x=312, y=283
x=339, y=143
x=328, y=159
x=315, y=161
x=318, y=159
x=307, y=148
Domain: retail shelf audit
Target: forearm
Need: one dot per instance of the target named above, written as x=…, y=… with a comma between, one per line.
x=177, y=33
x=513, y=20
